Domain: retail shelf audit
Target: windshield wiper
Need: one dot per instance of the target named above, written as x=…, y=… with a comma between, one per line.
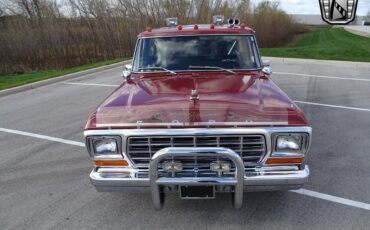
x=158, y=68
x=232, y=47
x=211, y=67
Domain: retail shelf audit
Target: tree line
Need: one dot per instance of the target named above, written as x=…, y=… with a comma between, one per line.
x=54, y=34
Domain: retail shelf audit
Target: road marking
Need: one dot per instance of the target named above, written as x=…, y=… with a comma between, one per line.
x=331, y=198
x=333, y=106
x=44, y=137
x=89, y=84
x=305, y=192
x=322, y=76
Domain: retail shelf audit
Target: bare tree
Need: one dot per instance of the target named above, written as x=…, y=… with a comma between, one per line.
x=52, y=34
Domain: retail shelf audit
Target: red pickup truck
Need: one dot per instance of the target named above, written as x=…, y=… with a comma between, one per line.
x=198, y=115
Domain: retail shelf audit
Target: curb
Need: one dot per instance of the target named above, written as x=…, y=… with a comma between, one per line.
x=38, y=84
x=317, y=61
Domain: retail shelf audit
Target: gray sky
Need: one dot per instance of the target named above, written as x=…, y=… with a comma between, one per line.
x=313, y=7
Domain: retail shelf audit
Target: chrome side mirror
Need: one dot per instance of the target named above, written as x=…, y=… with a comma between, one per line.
x=266, y=67
x=127, y=71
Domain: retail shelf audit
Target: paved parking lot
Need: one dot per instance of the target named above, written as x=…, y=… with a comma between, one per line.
x=44, y=167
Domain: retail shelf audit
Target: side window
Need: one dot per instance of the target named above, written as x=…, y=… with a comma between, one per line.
x=255, y=52
x=137, y=55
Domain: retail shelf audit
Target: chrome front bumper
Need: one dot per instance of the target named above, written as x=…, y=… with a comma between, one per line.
x=262, y=179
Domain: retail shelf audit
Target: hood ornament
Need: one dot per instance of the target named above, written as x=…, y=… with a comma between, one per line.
x=194, y=95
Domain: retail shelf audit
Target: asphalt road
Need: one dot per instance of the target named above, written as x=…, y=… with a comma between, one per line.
x=44, y=184
x=359, y=30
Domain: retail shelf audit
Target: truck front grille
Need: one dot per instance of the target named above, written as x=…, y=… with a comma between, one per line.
x=250, y=147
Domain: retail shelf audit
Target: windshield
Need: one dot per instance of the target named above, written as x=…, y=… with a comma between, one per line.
x=212, y=52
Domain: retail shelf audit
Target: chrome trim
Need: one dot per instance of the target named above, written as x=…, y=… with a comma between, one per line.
x=140, y=149
x=191, y=70
x=272, y=178
x=179, y=124
x=287, y=155
x=197, y=34
x=267, y=131
x=305, y=145
x=111, y=156
x=237, y=181
x=168, y=181
x=259, y=67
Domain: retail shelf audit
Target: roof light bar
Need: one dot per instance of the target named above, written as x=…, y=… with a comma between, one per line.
x=218, y=20
x=171, y=22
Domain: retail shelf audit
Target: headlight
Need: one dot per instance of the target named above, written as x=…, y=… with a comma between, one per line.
x=103, y=145
x=291, y=142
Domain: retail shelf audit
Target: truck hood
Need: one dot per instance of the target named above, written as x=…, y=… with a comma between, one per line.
x=224, y=100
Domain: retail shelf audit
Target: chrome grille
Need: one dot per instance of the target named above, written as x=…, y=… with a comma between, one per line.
x=250, y=147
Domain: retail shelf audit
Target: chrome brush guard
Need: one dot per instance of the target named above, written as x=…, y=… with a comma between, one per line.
x=156, y=182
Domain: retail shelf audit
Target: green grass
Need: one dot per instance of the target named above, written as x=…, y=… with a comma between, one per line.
x=9, y=81
x=327, y=44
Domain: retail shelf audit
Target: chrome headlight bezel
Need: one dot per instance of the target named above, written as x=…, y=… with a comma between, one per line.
x=91, y=142
x=302, y=151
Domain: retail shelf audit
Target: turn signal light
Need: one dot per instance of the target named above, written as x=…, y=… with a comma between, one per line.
x=110, y=163
x=284, y=161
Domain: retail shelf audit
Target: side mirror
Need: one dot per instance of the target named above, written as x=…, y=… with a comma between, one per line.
x=266, y=67
x=126, y=71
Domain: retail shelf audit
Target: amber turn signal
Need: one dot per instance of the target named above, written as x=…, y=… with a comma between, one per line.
x=110, y=163
x=284, y=161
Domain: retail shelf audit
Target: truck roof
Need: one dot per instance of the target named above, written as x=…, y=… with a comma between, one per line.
x=195, y=30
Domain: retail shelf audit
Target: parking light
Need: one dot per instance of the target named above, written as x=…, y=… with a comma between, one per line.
x=220, y=166
x=172, y=166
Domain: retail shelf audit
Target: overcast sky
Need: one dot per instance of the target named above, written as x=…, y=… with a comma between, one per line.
x=313, y=7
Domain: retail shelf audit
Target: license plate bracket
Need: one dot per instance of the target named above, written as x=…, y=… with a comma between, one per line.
x=197, y=192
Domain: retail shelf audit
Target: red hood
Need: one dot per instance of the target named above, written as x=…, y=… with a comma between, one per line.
x=246, y=99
